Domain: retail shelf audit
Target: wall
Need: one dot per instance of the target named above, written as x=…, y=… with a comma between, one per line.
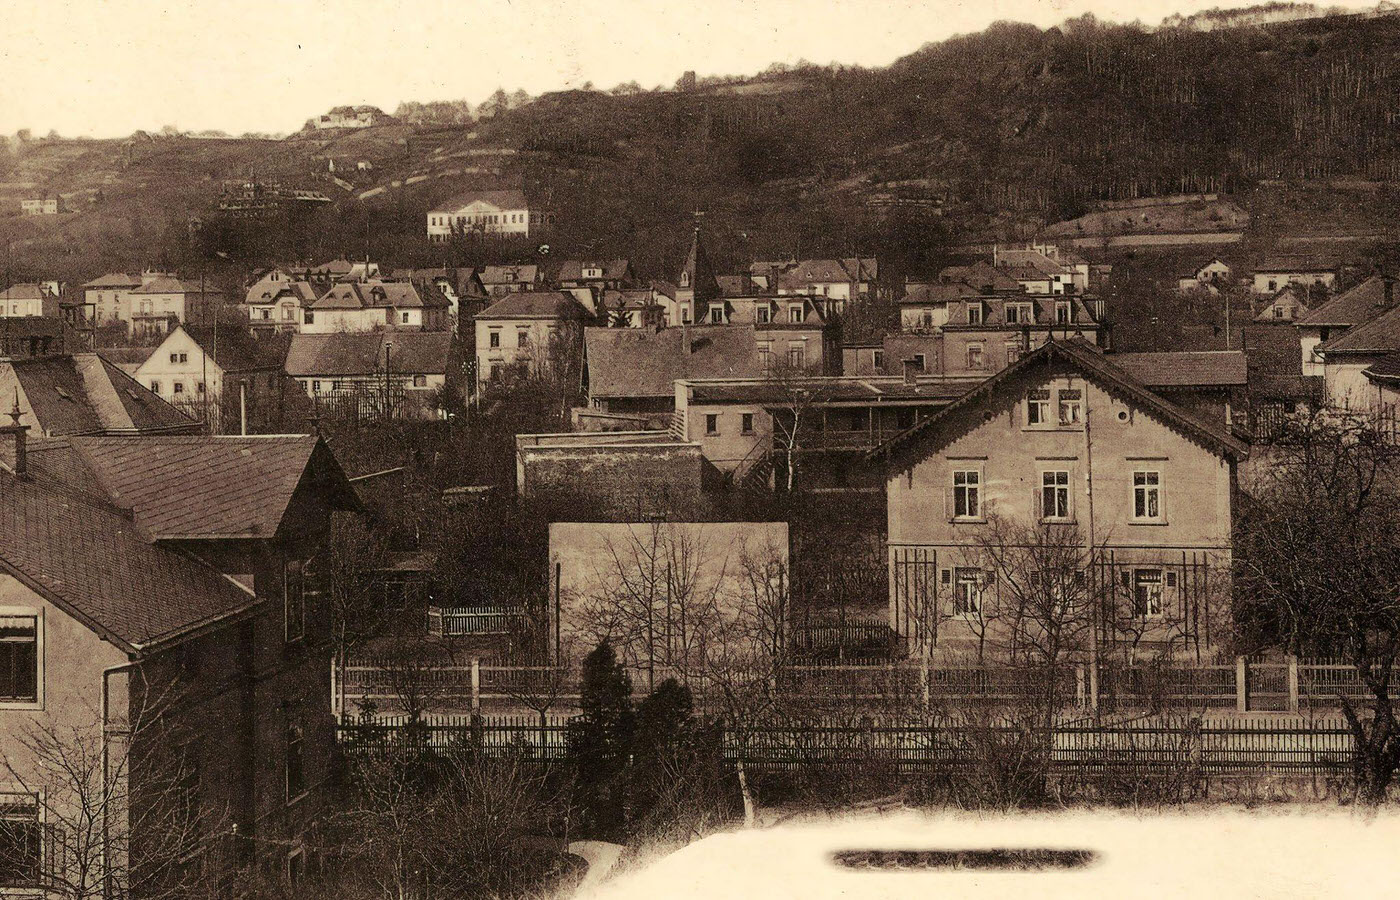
x=1272, y=282
x=614, y=481
x=536, y=351
x=1343, y=382
x=327, y=321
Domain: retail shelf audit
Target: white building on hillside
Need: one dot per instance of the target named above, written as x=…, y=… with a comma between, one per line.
x=501, y=213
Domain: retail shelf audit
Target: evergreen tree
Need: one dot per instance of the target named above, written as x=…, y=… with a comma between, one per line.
x=599, y=741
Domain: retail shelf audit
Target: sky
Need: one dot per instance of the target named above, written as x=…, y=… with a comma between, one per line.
x=104, y=68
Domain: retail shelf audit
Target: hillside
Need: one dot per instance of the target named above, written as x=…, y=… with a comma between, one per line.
x=991, y=136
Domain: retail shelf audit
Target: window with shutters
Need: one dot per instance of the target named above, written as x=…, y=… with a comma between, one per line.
x=1147, y=496
x=21, y=841
x=1054, y=495
x=967, y=494
x=19, y=658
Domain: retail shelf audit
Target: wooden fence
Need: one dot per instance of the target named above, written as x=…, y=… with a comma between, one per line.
x=1242, y=685
x=1280, y=746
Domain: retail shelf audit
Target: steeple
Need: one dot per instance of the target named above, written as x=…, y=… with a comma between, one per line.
x=698, y=275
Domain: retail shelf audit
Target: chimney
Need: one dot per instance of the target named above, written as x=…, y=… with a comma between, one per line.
x=21, y=433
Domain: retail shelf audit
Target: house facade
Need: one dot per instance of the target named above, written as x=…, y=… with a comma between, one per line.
x=534, y=329
x=1061, y=446
x=408, y=370
x=164, y=301
x=1349, y=309
x=1273, y=273
x=487, y=213
x=374, y=306
x=28, y=300
x=211, y=374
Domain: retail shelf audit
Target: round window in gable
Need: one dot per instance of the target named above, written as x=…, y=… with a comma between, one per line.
x=1122, y=415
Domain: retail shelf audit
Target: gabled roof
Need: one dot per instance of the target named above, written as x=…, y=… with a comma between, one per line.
x=1378, y=335
x=113, y=280
x=232, y=347
x=535, y=305
x=342, y=353
x=85, y=394
x=994, y=311
x=24, y=292
x=509, y=199
x=1032, y=259
x=266, y=292
x=1093, y=364
x=699, y=272
x=210, y=487
x=526, y=274
x=375, y=295
x=981, y=276
x=1295, y=262
x=1360, y=304
x=815, y=271
x=166, y=284
x=335, y=267
x=88, y=557
x=1386, y=369
x=1185, y=368
x=572, y=269
x=642, y=362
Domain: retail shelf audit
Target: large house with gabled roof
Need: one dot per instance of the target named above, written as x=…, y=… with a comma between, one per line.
x=374, y=306
x=85, y=393
x=158, y=603
x=1062, y=445
x=529, y=329
x=487, y=213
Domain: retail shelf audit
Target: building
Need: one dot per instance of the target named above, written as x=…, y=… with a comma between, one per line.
x=150, y=623
x=1065, y=272
x=634, y=370
x=164, y=301
x=43, y=206
x=535, y=330
x=745, y=427
x=981, y=276
x=924, y=306
x=1283, y=308
x=985, y=334
x=353, y=117
x=836, y=281
x=412, y=369
x=338, y=270
x=1273, y=272
x=376, y=305
x=599, y=274
x=32, y=336
x=278, y=306
x=23, y=300
x=1209, y=277
x=1361, y=304
x=502, y=280
x=85, y=394
x=465, y=293
x=1384, y=377
x=1062, y=449
x=1211, y=385
x=487, y=213
x=618, y=476
x=109, y=297
x=216, y=375
x=1350, y=361
x=632, y=308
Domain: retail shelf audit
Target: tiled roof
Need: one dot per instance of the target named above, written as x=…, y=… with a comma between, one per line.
x=372, y=295
x=572, y=269
x=202, y=487
x=840, y=389
x=1295, y=262
x=84, y=393
x=509, y=199
x=1387, y=369
x=527, y=274
x=981, y=276
x=1379, y=334
x=165, y=284
x=735, y=285
x=126, y=356
x=412, y=352
x=628, y=299
x=1089, y=360
x=233, y=348
x=94, y=561
x=24, y=292
x=922, y=294
x=698, y=271
x=1360, y=304
x=994, y=311
x=1033, y=259
x=113, y=280
x=641, y=362
x=815, y=271
x=534, y=305
x=1185, y=368
x=335, y=267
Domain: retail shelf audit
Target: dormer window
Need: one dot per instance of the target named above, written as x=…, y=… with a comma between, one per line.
x=1064, y=313
x=974, y=313
x=510, y=276
x=795, y=313
x=1019, y=314
x=685, y=279
x=716, y=315
x=762, y=315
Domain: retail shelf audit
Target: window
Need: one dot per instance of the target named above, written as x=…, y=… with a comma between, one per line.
x=295, y=761
x=974, y=313
x=1013, y=313
x=797, y=356
x=967, y=592
x=746, y=423
x=287, y=314
x=1038, y=407
x=174, y=357
x=522, y=338
x=494, y=340
x=294, y=601
x=1147, y=593
x=1063, y=313
x=309, y=317
x=762, y=315
x=315, y=387
x=920, y=362
x=711, y=423
x=1147, y=495
x=1071, y=407
x=1054, y=495
x=200, y=387
x=795, y=314
x=178, y=387
x=337, y=385
x=717, y=315
x=1273, y=285
x=403, y=318
x=685, y=315
x=21, y=844
x=155, y=387
x=966, y=493
x=975, y=358
x=765, y=357
x=1013, y=351
x=19, y=659
x=420, y=381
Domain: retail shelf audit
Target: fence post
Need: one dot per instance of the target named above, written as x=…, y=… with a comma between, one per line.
x=1241, y=685
x=923, y=683
x=335, y=692
x=1292, y=683
x=476, y=685
x=1079, y=686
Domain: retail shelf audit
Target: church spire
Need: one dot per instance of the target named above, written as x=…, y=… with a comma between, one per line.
x=698, y=275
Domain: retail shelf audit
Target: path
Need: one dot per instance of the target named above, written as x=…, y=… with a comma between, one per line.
x=601, y=856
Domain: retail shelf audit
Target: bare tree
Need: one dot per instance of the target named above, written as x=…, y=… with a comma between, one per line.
x=798, y=395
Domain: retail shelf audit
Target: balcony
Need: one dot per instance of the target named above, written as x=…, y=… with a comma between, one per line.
x=474, y=621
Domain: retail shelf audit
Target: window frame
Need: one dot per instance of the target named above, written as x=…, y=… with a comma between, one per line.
x=969, y=584
x=1062, y=402
x=37, y=615
x=293, y=601
x=11, y=804
x=980, y=362
x=1058, y=482
x=971, y=495
x=1140, y=579
x=1038, y=409
x=746, y=423
x=978, y=319
x=1151, y=488
x=493, y=339
x=711, y=424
